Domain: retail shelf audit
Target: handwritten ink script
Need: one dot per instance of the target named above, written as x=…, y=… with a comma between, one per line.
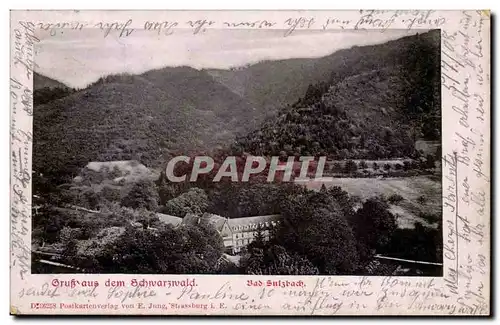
x=467, y=163
x=462, y=290
x=368, y=19
x=321, y=296
x=21, y=107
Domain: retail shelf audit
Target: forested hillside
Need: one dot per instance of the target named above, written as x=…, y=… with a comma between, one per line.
x=142, y=117
x=375, y=106
x=41, y=81
x=274, y=84
x=363, y=102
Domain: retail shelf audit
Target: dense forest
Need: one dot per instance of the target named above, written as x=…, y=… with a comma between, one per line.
x=363, y=102
x=356, y=106
x=323, y=232
x=142, y=117
x=376, y=108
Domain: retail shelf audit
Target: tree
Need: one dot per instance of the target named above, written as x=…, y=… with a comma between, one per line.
x=168, y=250
x=387, y=166
x=276, y=260
x=362, y=164
x=90, y=199
x=406, y=165
x=142, y=195
x=317, y=229
x=111, y=194
x=421, y=243
x=375, y=166
x=429, y=162
x=330, y=243
x=374, y=224
x=166, y=192
x=350, y=166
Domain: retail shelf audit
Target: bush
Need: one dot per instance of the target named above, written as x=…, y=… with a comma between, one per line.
x=430, y=217
x=398, y=166
x=375, y=166
x=421, y=199
x=362, y=164
x=336, y=167
x=350, y=166
x=429, y=162
x=387, y=166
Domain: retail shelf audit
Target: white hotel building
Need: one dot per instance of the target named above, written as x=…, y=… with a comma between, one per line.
x=236, y=233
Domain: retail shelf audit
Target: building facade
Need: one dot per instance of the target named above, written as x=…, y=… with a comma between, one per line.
x=236, y=233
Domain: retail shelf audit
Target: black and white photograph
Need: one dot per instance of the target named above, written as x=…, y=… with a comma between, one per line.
x=239, y=152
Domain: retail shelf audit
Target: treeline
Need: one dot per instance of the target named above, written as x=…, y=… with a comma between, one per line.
x=128, y=241
x=322, y=232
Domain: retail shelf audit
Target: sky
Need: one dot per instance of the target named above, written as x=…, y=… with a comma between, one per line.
x=78, y=58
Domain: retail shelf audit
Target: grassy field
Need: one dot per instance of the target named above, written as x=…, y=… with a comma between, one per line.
x=422, y=194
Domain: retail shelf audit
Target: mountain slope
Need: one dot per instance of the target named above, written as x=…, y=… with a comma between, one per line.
x=274, y=84
x=40, y=81
x=377, y=106
x=359, y=102
x=142, y=117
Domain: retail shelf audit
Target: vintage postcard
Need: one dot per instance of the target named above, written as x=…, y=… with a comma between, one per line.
x=250, y=162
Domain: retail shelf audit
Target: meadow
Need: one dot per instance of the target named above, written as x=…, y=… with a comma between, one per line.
x=421, y=195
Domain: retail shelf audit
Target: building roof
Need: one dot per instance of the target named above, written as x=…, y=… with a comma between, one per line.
x=250, y=223
x=168, y=219
x=239, y=224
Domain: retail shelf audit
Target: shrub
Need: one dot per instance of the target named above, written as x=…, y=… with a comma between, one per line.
x=387, y=166
x=350, y=166
x=337, y=167
x=362, y=164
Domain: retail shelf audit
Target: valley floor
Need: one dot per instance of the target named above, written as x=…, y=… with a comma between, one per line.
x=421, y=194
